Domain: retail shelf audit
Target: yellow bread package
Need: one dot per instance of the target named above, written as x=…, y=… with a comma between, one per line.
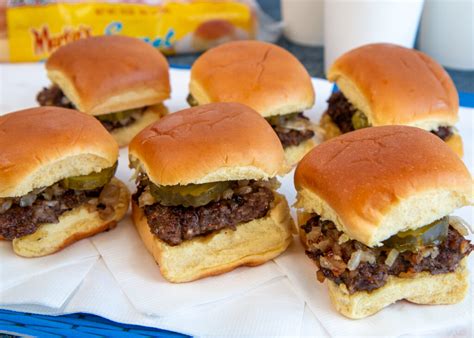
x=32, y=30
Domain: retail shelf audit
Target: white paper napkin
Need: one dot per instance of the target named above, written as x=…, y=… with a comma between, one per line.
x=398, y=319
x=271, y=310
x=311, y=327
x=139, y=277
x=15, y=270
x=50, y=288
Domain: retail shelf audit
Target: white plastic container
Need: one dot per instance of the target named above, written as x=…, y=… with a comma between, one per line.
x=352, y=23
x=303, y=21
x=447, y=32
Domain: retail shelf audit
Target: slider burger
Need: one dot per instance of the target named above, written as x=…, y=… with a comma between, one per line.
x=375, y=218
x=57, y=179
x=206, y=200
x=385, y=84
x=119, y=80
x=264, y=77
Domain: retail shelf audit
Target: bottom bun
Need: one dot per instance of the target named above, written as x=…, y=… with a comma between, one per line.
x=73, y=225
x=294, y=154
x=328, y=128
x=423, y=288
x=251, y=244
x=455, y=143
x=124, y=135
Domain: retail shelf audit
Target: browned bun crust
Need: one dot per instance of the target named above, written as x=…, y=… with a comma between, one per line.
x=110, y=73
x=375, y=182
x=209, y=143
x=214, y=29
x=260, y=75
x=40, y=146
x=396, y=85
x=213, y=33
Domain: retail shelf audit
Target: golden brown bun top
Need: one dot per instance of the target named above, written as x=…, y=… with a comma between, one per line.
x=40, y=146
x=214, y=29
x=260, y=75
x=109, y=73
x=209, y=143
x=375, y=182
x=396, y=85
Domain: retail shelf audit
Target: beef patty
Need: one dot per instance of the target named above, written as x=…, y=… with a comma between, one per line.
x=291, y=137
x=341, y=111
x=175, y=224
x=113, y=125
x=25, y=214
x=54, y=96
x=332, y=257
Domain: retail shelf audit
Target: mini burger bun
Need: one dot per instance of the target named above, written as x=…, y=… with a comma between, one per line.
x=330, y=130
x=251, y=244
x=375, y=182
x=258, y=74
x=392, y=85
x=209, y=143
x=124, y=135
x=212, y=33
x=106, y=74
x=41, y=146
x=73, y=226
x=421, y=288
x=294, y=154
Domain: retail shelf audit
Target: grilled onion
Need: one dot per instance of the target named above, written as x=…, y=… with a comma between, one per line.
x=5, y=205
x=358, y=257
x=460, y=225
x=392, y=257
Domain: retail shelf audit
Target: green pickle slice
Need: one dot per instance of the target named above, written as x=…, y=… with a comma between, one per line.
x=120, y=115
x=192, y=101
x=91, y=181
x=411, y=240
x=191, y=195
x=359, y=120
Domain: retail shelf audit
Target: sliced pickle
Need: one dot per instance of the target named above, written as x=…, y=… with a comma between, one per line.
x=359, y=120
x=411, y=240
x=120, y=115
x=191, y=195
x=192, y=101
x=91, y=181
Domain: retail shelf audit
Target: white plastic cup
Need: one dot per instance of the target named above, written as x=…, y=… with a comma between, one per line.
x=447, y=32
x=303, y=21
x=351, y=23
